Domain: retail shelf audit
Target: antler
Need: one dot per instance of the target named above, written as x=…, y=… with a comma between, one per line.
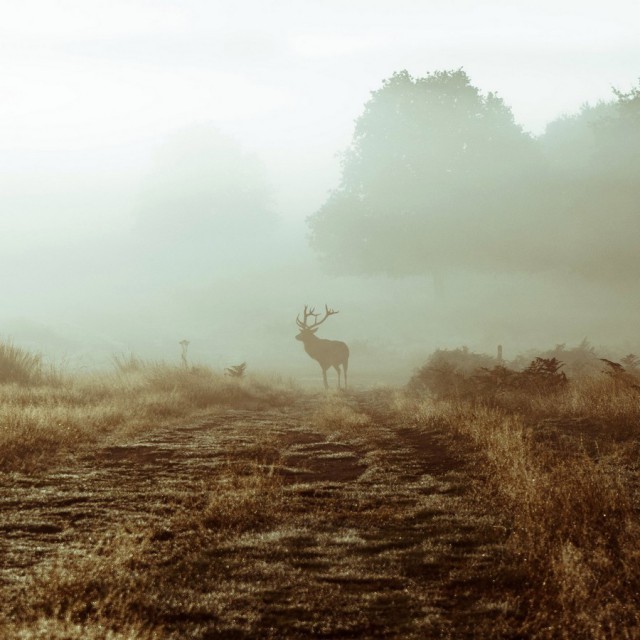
x=308, y=312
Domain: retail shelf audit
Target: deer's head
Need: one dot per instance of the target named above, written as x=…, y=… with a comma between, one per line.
x=308, y=330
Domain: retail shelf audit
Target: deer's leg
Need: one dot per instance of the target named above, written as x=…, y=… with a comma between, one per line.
x=337, y=368
x=345, y=366
x=324, y=377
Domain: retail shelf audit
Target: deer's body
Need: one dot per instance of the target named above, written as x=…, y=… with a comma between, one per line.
x=328, y=353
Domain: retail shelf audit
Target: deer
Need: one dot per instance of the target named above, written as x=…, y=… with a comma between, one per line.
x=328, y=353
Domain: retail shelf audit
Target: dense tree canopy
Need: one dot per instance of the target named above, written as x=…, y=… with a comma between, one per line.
x=440, y=176
x=594, y=161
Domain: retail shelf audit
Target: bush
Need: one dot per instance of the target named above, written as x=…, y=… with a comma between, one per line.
x=464, y=374
x=579, y=362
x=449, y=373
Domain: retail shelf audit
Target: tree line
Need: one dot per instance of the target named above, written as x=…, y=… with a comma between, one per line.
x=439, y=176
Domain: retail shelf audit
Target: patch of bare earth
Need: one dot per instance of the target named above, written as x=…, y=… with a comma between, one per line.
x=257, y=525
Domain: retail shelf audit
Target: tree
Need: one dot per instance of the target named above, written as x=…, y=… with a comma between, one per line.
x=440, y=177
x=594, y=156
x=434, y=169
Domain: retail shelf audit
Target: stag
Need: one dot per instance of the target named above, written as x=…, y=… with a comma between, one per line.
x=328, y=353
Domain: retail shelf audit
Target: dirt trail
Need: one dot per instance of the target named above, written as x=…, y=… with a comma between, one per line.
x=386, y=539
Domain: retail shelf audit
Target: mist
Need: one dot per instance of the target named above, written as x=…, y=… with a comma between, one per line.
x=190, y=171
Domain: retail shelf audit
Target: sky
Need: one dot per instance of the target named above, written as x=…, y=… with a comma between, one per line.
x=90, y=90
x=92, y=86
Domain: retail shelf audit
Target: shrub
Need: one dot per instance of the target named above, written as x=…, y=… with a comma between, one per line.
x=449, y=373
x=581, y=361
x=543, y=374
x=464, y=374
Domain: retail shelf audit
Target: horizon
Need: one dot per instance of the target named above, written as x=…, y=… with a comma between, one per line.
x=101, y=97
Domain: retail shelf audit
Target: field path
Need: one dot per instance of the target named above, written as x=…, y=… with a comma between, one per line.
x=380, y=537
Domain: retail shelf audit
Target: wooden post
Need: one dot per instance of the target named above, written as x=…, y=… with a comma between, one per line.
x=185, y=346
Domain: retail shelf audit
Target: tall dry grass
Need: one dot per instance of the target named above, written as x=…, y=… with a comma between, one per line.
x=42, y=418
x=562, y=470
x=19, y=365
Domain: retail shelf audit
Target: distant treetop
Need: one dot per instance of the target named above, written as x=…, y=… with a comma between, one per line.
x=440, y=176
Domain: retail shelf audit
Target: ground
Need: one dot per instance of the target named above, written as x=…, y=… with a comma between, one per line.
x=261, y=523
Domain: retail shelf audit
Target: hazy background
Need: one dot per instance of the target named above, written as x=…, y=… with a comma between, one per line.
x=159, y=160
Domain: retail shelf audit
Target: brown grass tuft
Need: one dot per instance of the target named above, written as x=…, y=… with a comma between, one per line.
x=18, y=365
x=336, y=413
x=245, y=497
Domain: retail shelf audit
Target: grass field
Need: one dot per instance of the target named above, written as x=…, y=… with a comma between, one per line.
x=170, y=502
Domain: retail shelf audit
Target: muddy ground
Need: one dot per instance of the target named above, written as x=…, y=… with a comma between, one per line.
x=378, y=531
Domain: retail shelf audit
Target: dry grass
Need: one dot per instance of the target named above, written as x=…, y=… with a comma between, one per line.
x=350, y=516
x=270, y=527
x=337, y=414
x=138, y=582
x=598, y=398
x=563, y=473
x=19, y=366
x=246, y=497
x=93, y=595
x=40, y=422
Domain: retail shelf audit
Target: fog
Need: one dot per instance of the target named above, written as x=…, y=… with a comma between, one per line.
x=201, y=171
